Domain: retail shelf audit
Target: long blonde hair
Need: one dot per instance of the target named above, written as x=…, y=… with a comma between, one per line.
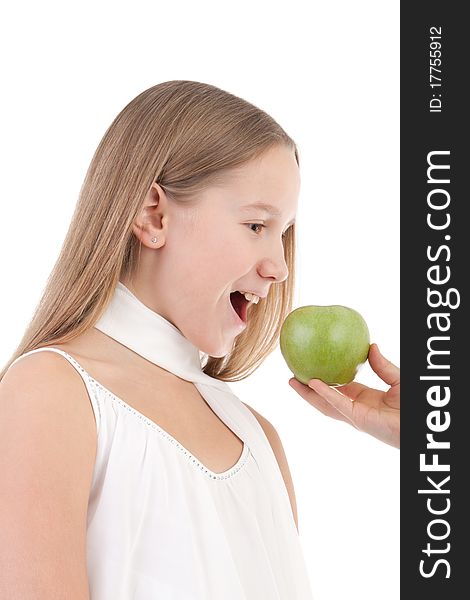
x=184, y=135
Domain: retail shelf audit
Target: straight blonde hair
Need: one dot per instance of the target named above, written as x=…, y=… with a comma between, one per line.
x=184, y=135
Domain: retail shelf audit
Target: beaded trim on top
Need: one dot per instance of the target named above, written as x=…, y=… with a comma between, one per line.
x=211, y=474
x=193, y=460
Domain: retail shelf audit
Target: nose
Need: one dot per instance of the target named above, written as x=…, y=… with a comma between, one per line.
x=274, y=267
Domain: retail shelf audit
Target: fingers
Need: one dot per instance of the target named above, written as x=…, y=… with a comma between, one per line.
x=316, y=400
x=351, y=390
x=386, y=370
x=336, y=399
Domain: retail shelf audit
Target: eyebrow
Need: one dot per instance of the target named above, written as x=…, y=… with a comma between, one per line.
x=269, y=208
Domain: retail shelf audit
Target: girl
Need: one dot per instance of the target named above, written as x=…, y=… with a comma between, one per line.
x=129, y=469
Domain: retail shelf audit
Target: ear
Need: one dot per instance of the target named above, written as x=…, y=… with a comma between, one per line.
x=152, y=220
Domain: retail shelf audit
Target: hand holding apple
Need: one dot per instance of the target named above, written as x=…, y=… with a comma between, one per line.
x=375, y=412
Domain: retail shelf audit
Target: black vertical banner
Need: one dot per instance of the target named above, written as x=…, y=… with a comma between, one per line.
x=435, y=323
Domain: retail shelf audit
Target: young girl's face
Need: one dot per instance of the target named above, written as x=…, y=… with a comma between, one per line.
x=223, y=244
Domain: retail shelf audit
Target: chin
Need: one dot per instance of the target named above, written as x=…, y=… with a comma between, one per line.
x=215, y=353
x=215, y=350
x=214, y=346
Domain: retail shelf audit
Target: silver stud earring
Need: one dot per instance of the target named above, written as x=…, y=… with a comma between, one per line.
x=154, y=239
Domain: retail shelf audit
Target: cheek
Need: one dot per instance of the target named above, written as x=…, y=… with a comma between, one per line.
x=195, y=267
x=221, y=247
x=207, y=258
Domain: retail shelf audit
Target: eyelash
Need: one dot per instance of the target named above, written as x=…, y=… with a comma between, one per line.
x=261, y=225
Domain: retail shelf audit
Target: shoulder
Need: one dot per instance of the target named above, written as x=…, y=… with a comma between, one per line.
x=46, y=371
x=44, y=389
x=279, y=453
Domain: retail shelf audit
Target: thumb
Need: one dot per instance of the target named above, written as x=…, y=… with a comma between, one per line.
x=385, y=369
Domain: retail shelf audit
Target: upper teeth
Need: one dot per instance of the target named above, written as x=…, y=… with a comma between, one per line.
x=251, y=297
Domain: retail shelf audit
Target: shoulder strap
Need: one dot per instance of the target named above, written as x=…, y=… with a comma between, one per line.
x=83, y=374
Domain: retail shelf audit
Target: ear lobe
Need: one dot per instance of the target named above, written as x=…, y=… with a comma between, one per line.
x=146, y=235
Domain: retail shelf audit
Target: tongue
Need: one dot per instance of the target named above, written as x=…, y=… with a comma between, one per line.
x=239, y=303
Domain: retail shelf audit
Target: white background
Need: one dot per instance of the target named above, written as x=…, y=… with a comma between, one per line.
x=328, y=72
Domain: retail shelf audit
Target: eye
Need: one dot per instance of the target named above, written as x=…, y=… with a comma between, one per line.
x=256, y=225
x=261, y=225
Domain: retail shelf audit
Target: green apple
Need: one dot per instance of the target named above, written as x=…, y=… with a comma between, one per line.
x=324, y=342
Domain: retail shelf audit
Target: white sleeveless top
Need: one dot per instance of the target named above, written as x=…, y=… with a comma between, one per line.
x=161, y=525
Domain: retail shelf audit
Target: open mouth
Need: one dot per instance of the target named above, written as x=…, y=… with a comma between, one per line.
x=240, y=305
